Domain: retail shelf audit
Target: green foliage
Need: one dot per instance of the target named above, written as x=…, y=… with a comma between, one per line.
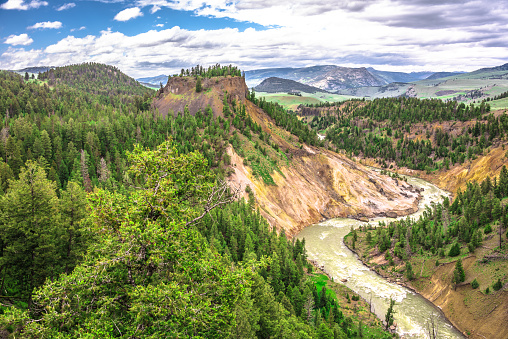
x=454, y=250
x=409, y=271
x=41, y=234
x=379, y=129
x=290, y=122
x=389, y=314
x=199, y=86
x=212, y=71
x=458, y=273
x=475, y=284
x=497, y=285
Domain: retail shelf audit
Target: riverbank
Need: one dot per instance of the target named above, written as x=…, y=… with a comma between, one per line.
x=353, y=305
x=474, y=312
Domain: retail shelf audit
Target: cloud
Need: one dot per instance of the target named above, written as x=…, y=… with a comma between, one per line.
x=78, y=29
x=21, y=5
x=154, y=9
x=66, y=6
x=15, y=40
x=393, y=35
x=129, y=13
x=46, y=24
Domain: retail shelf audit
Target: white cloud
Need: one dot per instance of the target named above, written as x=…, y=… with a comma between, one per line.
x=78, y=29
x=129, y=13
x=46, y=24
x=66, y=6
x=160, y=25
x=154, y=9
x=15, y=40
x=21, y=5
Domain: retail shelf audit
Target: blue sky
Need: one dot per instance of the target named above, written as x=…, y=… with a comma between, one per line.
x=150, y=37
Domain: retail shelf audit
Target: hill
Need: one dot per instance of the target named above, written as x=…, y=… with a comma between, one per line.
x=440, y=75
x=389, y=77
x=394, y=89
x=95, y=78
x=330, y=78
x=279, y=85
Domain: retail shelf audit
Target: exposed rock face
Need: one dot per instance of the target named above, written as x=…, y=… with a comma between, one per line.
x=181, y=91
x=316, y=184
x=325, y=185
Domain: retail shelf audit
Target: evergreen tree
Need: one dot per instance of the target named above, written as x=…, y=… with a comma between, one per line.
x=458, y=274
x=199, y=87
x=28, y=228
x=389, y=314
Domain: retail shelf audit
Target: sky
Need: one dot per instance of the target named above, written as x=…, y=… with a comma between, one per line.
x=150, y=37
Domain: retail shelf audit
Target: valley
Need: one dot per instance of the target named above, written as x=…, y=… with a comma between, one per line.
x=226, y=177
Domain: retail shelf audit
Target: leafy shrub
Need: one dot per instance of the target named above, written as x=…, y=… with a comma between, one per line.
x=454, y=250
x=475, y=284
x=497, y=286
x=487, y=229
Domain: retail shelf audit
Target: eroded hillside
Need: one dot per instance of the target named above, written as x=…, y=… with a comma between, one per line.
x=305, y=183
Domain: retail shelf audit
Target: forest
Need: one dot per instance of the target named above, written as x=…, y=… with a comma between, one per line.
x=110, y=227
x=385, y=130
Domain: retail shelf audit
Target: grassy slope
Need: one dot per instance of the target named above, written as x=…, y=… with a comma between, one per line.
x=293, y=101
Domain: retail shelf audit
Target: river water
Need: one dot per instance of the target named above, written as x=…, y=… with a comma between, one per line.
x=324, y=244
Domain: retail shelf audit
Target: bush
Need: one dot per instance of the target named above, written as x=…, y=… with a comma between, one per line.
x=470, y=247
x=475, y=284
x=487, y=290
x=487, y=229
x=409, y=271
x=454, y=250
x=497, y=286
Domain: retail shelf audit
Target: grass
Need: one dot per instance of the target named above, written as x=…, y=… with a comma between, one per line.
x=292, y=101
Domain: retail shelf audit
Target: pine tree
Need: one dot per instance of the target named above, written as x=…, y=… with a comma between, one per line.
x=199, y=87
x=389, y=314
x=458, y=274
x=28, y=228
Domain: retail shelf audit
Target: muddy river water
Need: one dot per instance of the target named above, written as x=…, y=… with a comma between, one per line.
x=324, y=243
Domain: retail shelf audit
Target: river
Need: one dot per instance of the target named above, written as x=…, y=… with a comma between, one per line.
x=324, y=244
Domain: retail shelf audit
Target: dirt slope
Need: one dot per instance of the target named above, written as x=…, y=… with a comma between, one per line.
x=314, y=184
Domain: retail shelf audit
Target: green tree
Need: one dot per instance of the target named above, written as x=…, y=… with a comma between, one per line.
x=28, y=229
x=389, y=314
x=409, y=271
x=475, y=284
x=458, y=274
x=150, y=273
x=497, y=285
x=199, y=86
x=73, y=212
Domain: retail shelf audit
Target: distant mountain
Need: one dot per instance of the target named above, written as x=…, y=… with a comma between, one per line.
x=36, y=69
x=439, y=75
x=279, y=85
x=156, y=80
x=394, y=89
x=330, y=78
x=389, y=77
